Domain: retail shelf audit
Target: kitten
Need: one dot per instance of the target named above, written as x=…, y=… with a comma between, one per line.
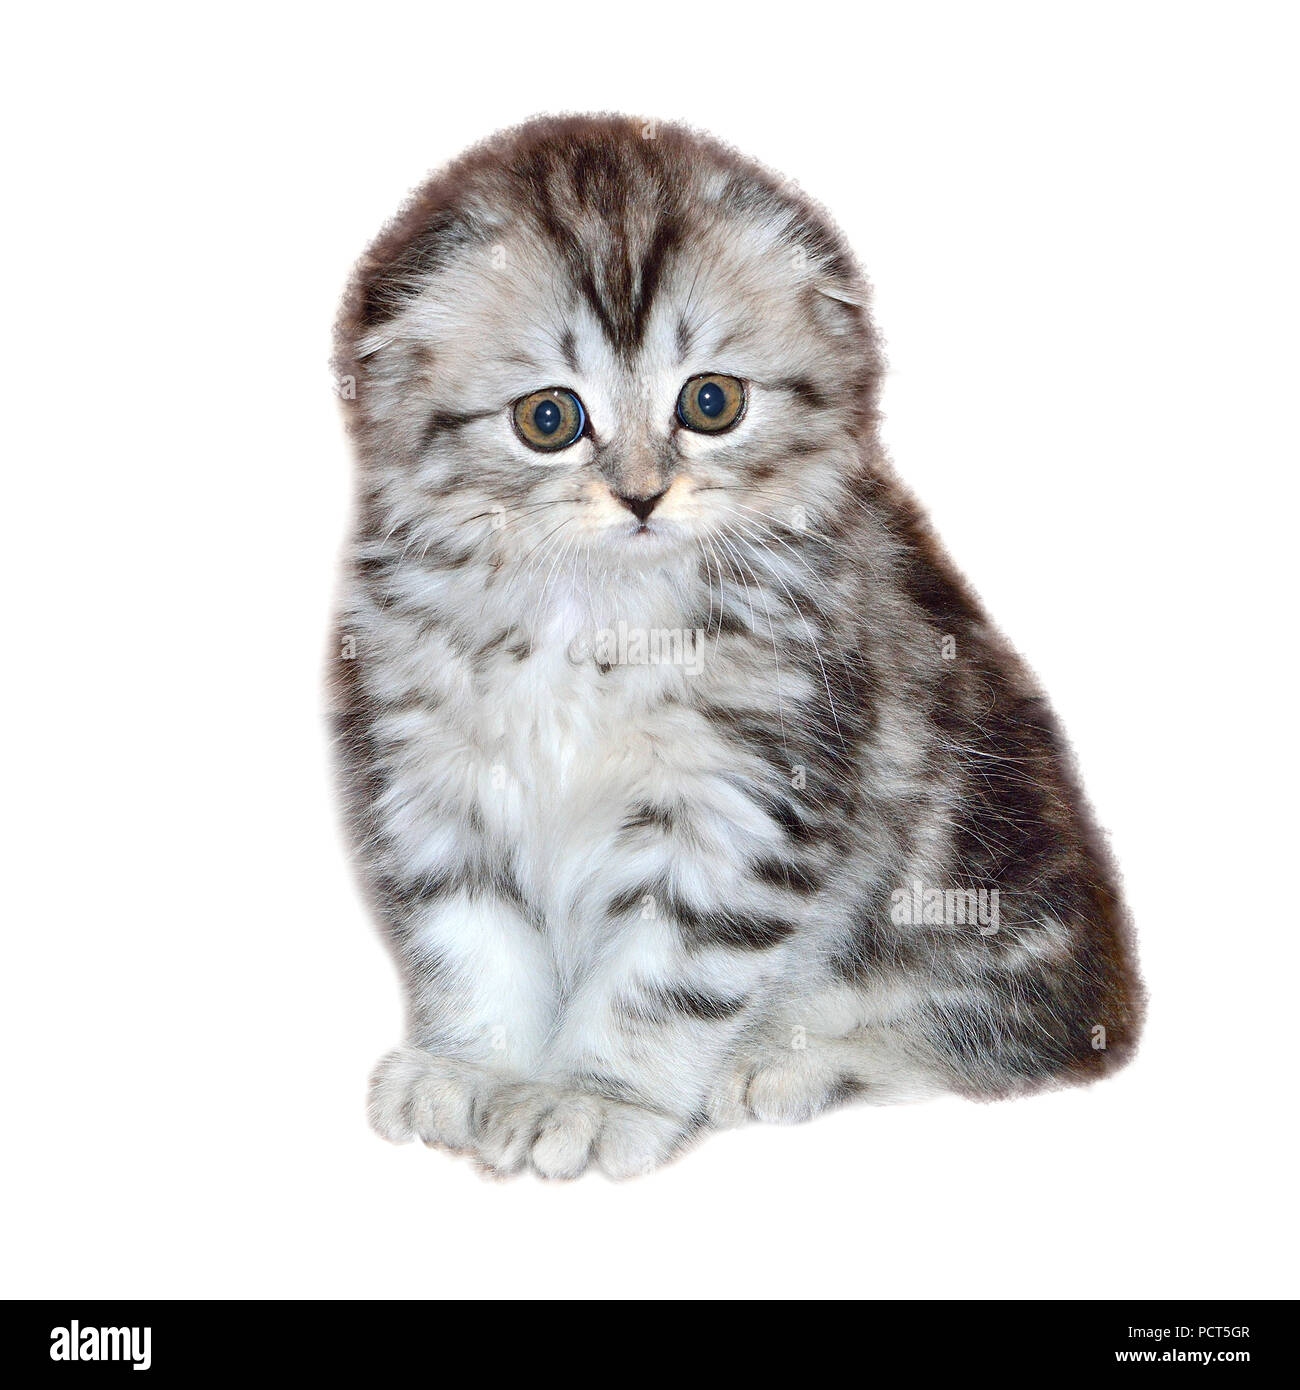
x=688, y=780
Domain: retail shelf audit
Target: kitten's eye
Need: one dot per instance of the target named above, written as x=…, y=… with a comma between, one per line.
x=549, y=420
x=711, y=403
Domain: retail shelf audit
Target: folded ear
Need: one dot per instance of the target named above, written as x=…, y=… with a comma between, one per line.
x=844, y=294
x=370, y=343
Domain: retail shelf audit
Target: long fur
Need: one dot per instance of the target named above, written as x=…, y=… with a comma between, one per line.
x=740, y=812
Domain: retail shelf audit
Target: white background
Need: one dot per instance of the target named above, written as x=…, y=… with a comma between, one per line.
x=1080, y=226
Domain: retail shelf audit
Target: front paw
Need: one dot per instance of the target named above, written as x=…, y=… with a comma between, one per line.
x=792, y=1088
x=561, y=1133
x=415, y=1095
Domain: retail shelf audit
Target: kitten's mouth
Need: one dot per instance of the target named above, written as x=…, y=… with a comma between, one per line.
x=651, y=541
x=648, y=537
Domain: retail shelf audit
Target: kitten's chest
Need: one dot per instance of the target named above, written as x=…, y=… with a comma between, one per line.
x=578, y=773
x=569, y=740
x=575, y=751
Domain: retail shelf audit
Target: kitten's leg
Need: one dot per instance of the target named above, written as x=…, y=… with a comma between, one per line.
x=629, y=1074
x=481, y=999
x=1007, y=1013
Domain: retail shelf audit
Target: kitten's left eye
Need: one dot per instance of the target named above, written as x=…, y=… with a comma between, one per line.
x=711, y=403
x=549, y=420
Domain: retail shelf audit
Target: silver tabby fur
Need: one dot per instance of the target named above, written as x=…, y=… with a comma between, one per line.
x=633, y=899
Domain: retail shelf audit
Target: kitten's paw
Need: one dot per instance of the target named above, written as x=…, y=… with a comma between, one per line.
x=510, y=1122
x=788, y=1090
x=561, y=1134
x=634, y=1141
x=562, y=1147
x=414, y=1095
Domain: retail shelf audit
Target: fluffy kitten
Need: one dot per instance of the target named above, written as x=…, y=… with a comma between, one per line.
x=688, y=780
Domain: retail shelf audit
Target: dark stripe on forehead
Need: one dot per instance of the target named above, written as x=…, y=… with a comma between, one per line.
x=565, y=239
x=569, y=350
x=611, y=213
x=667, y=235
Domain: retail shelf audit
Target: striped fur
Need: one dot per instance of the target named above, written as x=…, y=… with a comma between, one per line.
x=637, y=897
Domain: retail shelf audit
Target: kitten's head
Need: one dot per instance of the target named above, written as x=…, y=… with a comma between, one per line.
x=612, y=336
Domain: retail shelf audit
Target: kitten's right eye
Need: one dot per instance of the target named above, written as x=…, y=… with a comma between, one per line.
x=549, y=420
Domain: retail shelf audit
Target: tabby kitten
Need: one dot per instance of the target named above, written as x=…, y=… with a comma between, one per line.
x=688, y=780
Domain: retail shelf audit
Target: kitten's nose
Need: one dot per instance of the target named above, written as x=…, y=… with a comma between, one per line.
x=640, y=507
